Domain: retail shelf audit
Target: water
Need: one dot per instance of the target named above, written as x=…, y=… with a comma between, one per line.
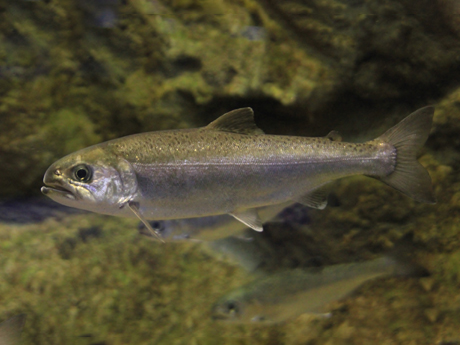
x=75, y=73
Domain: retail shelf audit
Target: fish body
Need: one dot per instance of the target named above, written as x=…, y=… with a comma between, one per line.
x=224, y=237
x=214, y=228
x=10, y=330
x=281, y=296
x=231, y=167
x=202, y=229
x=243, y=252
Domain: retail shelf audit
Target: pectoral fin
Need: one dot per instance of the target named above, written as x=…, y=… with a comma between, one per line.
x=316, y=198
x=250, y=218
x=134, y=207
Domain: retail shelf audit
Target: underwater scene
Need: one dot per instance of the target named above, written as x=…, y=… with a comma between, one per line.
x=235, y=172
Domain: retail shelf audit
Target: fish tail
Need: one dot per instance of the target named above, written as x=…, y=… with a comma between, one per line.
x=398, y=265
x=408, y=136
x=403, y=258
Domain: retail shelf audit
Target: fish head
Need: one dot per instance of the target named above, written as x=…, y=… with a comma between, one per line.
x=163, y=227
x=239, y=310
x=92, y=179
x=228, y=309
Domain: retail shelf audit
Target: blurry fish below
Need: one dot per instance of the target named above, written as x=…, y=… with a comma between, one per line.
x=199, y=229
x=237, y=251
x=232, y=167
x=226, y=238
x=254, y=33
x=10, y=330
x=282, y=296
x=219, y=227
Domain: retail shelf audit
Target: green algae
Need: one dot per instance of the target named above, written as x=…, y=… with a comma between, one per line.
x=91, y=274
x=116, y=286
x=150, y=71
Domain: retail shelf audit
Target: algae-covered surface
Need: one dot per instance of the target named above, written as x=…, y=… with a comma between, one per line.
x=91, y=279
x=75, y=73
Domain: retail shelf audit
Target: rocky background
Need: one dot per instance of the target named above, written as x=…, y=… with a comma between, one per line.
x=75, y=73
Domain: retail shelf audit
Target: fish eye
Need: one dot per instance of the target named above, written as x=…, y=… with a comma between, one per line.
x=82, y=173
x=157, y=225
x=232, y=307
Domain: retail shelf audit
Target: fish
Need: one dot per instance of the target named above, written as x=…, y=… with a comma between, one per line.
x=10, y=330
x=242, y=252
x=214, y=228
x=224, y=238
x=285, y=295
x=200, y=229
x=232, y=167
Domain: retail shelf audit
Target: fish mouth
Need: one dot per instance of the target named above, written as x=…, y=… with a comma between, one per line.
x=56, y=190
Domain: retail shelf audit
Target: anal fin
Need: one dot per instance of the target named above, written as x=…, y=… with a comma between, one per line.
x=317, y=198
x=249, y=217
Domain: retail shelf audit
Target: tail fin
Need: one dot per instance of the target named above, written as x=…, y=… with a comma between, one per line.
x=403, y=256
x=399, y=266
x=408, y=136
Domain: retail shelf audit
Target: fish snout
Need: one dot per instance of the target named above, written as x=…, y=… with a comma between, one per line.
x=52, y=174
x=55, y=185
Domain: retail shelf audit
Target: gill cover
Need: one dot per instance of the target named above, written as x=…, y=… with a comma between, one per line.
x=128, y=179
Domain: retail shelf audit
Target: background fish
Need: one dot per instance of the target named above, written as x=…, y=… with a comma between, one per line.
x=10, y=330
x=231, y=167
x=224, y=237
x=281, y=296
x=218, y=227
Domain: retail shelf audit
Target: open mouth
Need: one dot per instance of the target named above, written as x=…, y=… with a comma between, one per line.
x=48, y=191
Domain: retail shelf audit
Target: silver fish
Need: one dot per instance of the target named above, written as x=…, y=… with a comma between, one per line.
x=201, y=229
x=214, y=228
x=232, y=167
x=226, y=238
x=282, y=296
x=10, y=330
x=237, y=251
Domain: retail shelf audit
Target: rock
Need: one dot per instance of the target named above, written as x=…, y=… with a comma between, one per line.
x=382, y=49
x=78, y=73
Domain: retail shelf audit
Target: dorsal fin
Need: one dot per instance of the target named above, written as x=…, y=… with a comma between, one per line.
x=334, y=136
x=237, y=121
